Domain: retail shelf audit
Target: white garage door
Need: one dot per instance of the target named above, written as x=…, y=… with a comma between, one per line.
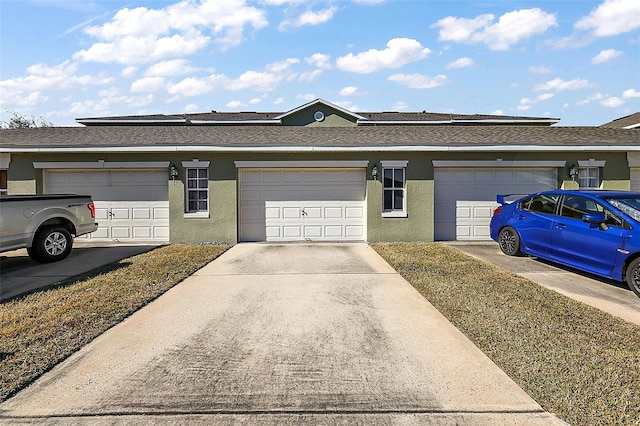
x=302, y=204
x=635, y=179
x=466, y=197
x=131, y=206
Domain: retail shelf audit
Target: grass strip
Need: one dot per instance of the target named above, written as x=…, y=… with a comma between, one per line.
x=574, y=360
x=40, y=329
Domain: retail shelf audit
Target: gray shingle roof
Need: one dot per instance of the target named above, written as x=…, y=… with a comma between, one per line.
x=130, y=137
x=622, y=122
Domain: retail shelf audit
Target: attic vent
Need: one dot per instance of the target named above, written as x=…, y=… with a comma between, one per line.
x=318, y=116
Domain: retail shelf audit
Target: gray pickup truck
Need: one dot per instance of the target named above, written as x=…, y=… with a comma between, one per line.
x=45, y=224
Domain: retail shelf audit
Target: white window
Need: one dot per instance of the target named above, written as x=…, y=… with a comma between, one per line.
x=394, y=193
x=197, y=190
x=589, y=177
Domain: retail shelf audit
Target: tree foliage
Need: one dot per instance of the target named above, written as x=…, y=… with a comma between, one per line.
x=19, y=121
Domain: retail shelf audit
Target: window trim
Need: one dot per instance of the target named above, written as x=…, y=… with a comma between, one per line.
x=393, y=165
x=203, y=214
x=589, y=179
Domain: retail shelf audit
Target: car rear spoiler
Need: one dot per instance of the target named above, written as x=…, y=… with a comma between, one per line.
x=500, y=198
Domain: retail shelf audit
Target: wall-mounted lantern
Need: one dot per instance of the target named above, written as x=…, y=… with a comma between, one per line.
x=374, y=172
x=574, y=172
x=173, y=172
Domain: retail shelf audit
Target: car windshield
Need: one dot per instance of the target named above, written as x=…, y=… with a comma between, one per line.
x=629, y=205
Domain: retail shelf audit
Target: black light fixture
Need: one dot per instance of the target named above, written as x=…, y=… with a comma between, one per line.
x=574, y=172
x=173, y=172
x=374, y=172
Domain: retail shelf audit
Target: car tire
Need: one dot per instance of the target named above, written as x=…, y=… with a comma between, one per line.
x=632, y=276
x=51, y=244
x=509, y=241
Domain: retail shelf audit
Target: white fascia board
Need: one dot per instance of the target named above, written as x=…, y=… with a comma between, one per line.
x=386, y=148
x=100, y=164
x=320, y=101
x=235, y=122
x=297, y=164
x=116, y=122
x=633, y=126
x=591, y=163
x=400, y=123
x=496, y=163
x=505, y=121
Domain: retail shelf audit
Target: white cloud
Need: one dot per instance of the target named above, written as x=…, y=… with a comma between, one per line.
x=540, y=69
x=254, y=101
x=630, y=93
x=460, y=63
x=193, y=86
x=315, y=18
x=419, y=81
x=169, y=68
x=28, y=90
x=235, y=104
x=319, y=60
x=511, y=28
x=309, y=17
x=527, y=103
x=191, y=107
x=148, y=84
x=605, y=56
x=612, y=102
x=498, y=112
x=143, y=35
x=399, y=52
x=128, y=72
x=559, y=84
x=348, y=91
x=612, y=17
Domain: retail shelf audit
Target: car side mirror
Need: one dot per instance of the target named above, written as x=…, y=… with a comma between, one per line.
x=596, y=219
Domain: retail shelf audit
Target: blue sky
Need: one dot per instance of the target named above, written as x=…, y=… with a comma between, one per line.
x=574, y=60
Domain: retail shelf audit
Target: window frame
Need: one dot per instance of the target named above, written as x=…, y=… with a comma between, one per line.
x=592, y=181
x=394, y=166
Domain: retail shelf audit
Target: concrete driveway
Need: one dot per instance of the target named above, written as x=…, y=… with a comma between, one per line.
x=20, y=274
x=280, y=334
x=607, y=295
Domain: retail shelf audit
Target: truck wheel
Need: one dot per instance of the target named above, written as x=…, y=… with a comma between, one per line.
x=51, y=244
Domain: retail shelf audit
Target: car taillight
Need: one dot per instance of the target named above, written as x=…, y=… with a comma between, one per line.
x=497, y=210
x=92, y=208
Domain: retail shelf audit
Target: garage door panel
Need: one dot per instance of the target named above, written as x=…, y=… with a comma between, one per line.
x=131, y=206
x=465, y=197
x=296, y=205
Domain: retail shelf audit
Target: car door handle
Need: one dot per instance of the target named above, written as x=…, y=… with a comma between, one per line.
x=561, y=226
x=520, y=217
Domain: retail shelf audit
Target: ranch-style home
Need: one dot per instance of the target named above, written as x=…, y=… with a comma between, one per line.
x=316, y=173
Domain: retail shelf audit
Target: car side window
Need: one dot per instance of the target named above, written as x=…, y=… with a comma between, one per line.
x=575, y=206
x=542, y=203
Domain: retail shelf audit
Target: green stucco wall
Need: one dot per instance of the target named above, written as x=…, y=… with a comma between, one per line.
x=222, y=223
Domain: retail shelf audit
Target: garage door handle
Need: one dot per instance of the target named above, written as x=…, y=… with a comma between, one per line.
x=304, y=213
x=110, y=213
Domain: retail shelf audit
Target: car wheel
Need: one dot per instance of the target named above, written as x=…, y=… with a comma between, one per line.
x=51, y=244
x=633, y=276
x=509, y=241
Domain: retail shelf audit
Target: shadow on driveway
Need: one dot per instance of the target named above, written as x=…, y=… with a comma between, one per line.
x=21, y=275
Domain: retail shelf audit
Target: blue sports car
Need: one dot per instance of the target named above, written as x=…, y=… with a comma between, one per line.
x=593, y=231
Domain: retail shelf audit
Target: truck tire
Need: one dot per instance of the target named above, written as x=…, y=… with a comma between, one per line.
x=51, y=244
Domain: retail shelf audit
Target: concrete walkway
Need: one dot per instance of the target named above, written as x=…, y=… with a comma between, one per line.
x=279, y=334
